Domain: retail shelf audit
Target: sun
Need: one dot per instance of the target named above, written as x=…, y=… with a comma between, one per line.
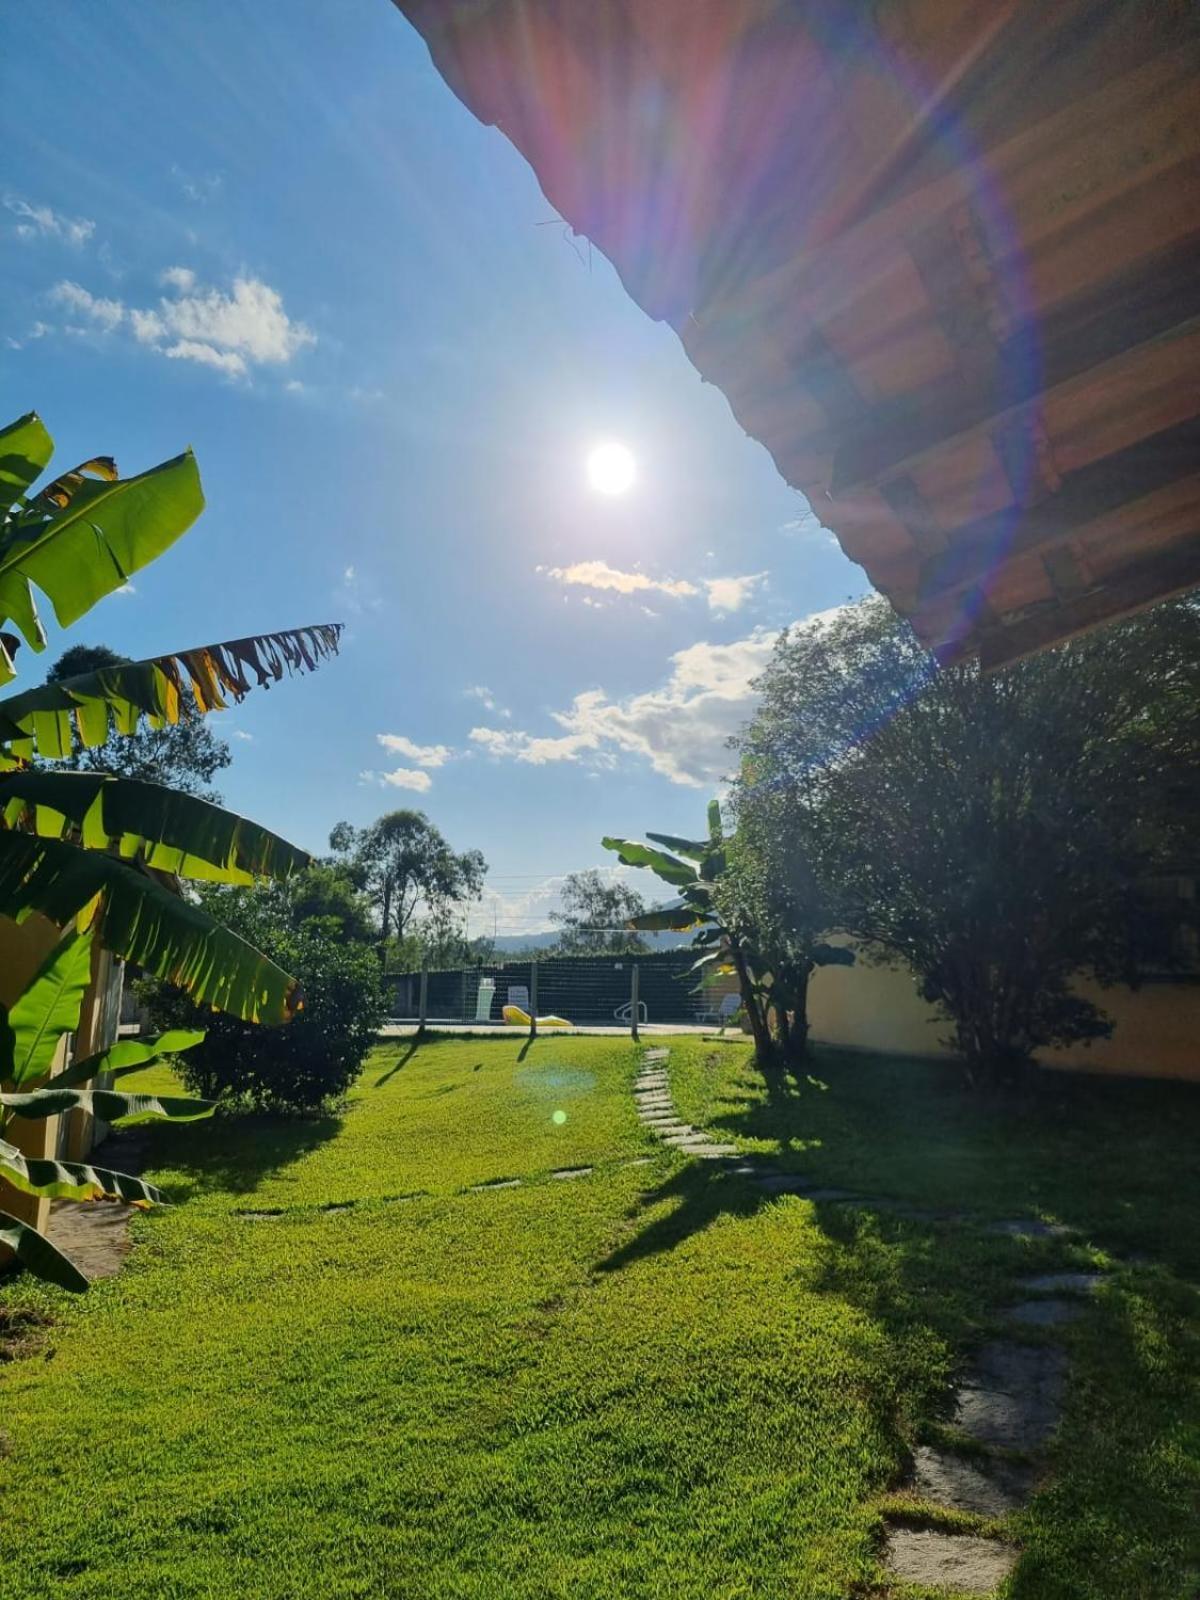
x=611, y=468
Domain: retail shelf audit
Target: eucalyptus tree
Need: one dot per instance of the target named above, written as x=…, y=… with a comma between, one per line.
x=103, y=857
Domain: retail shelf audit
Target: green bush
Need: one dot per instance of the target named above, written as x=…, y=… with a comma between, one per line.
x=313, y=1059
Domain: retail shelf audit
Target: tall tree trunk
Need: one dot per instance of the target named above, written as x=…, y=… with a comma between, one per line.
x=764, y=1050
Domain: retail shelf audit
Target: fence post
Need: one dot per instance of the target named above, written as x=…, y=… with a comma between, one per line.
x=633, y=1002
x=533, y=1001
x=423, y=1004
x=464, y=995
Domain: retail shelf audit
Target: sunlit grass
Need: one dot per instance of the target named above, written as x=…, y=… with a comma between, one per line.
x=650, y=1381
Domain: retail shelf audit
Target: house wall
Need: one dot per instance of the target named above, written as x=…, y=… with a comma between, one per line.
x=865, y=1007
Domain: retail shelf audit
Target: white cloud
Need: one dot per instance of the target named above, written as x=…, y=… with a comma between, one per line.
x=723, y=594
x=599, y=575
x=200, y=189
x=730, y=594
x=407, y=778
x=208, y=355
x=240, y=733
x=399, y=778
x=481, y=692
x=41, y=222
x=126, y=588
x=230, y=332
x=681, y=728
x=106, y=314
x=425, y=755
x=527, y=910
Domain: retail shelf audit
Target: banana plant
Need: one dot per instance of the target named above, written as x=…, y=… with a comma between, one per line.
x=104, y=857
x=740, y=930
x=695, y=868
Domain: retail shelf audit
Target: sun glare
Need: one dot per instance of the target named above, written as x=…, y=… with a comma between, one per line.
x=611, y=468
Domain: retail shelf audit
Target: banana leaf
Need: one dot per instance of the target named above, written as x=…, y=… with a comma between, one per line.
x=39, y=1255
x=695, y=849
x=134, y=916
x=669, y=868
x=105, y=533
x=47, y=1009
x=107, y=1104
x=25, y=451
x=73, y=1180
x=167, y=830
x=675, y=919
x=93, y=705
x=128, y=1055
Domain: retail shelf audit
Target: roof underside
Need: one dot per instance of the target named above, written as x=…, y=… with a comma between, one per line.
x=941, y=257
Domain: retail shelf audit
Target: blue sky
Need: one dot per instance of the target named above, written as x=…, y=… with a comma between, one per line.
x=270, y=231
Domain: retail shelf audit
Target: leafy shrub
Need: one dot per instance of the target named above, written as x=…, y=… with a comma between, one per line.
x=312, y=1060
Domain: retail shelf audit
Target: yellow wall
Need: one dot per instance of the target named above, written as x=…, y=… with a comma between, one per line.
x=864, y=1007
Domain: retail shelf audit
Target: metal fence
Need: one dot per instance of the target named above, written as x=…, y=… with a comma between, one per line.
x=599, y=991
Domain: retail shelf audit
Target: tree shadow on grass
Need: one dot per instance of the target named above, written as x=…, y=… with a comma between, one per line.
x=1110, y=1159
x=231, y=1153
x=1114, y=1159
x=400, y=1062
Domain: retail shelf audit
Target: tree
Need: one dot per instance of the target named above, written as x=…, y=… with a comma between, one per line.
x=723, y=931
x=101, y=855
x=993, y=832
x=404, y=866
x=595, y=916
x=184, y=754
x=314, y=1060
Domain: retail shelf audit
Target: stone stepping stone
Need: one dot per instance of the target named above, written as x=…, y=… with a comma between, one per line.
x=1044, y=1313
x=708, y=1152
x=950, y=1480
x=339, y=1205
x=832, y=1195
x=1062, y=1282
x=641, y=1161
x=948, y=1560
x=1030, y=1228
x=496, y=1183
x=658, y=1054
x=259, y=1216
x=1012, y=1396
x=653, y=1097
x=565, y=1173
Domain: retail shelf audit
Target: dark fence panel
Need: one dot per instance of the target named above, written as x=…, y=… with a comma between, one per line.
x=586, y=990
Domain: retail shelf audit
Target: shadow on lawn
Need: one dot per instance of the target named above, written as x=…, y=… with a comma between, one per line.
x=229, y=1154
x=1115, y=1160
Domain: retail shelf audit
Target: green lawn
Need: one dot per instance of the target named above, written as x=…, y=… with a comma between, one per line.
x=650, y=1381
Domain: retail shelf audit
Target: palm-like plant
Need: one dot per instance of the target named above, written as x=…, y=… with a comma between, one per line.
x=746, y=925
x=102, y=856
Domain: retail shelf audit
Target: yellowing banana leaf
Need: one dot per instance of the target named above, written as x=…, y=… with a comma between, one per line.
x=127, y=1055
x=105, y=533
x=48, y=1008
x=134, y=916
x=25, y=451
x=59, y=494
x=167, y=830
x=39, y=1255
x=676, y=919
x=73, y=1180
x=93, y=705
x=107, y=1104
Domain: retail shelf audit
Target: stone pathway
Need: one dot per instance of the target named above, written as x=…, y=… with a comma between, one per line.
x=652, y=1095
x=1009, y=1401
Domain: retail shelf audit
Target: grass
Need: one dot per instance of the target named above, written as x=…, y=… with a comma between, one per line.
x=650, y=1381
